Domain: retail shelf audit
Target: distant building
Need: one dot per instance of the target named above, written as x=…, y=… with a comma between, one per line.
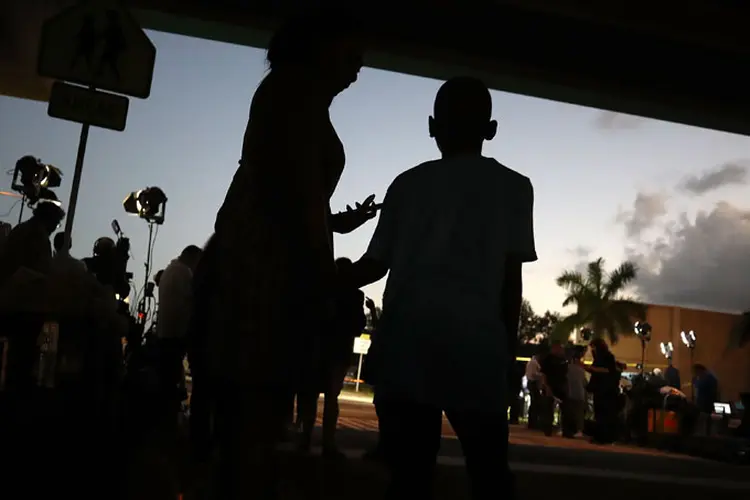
x=712, y=330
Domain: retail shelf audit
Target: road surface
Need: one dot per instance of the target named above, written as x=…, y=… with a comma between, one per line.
x=547, y=466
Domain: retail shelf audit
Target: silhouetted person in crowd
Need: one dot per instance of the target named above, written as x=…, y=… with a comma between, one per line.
x=334, y=356
x=453, y=233
x=604, y=385
x=369, y=373
x=574, y=406
x=109, y=264
x=28, y=244
x=515, y=386
x=672, y=375
x=273, y=257
x=706, y=392
x=203, y=398
x=173, y=323
x=62, y=260
x=534, y=385
x=554, y=369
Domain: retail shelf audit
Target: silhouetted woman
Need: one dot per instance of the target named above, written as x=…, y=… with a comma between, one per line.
x=272, y=252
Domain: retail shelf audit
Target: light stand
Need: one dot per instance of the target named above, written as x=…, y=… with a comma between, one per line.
x=149, y=254
x=643, y=332
x=23, y=203
x=689, y=339
x=150, y=205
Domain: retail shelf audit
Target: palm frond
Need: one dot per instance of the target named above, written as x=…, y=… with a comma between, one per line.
x=571, y=280
x=619, y=279
x=595, y=273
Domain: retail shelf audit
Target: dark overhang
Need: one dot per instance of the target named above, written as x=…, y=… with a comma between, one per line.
x=677, y=61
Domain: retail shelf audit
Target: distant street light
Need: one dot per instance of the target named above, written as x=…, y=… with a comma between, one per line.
x=667, y=349
x=643, y=332
x=689, y=339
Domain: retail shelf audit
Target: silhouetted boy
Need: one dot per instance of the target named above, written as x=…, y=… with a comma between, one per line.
x=453, y=233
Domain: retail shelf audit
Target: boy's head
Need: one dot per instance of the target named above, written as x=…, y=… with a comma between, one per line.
x=462, y=116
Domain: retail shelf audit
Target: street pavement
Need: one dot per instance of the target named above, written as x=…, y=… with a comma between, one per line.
x=553, y=464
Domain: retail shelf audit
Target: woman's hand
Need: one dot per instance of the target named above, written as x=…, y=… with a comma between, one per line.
x=351, y=219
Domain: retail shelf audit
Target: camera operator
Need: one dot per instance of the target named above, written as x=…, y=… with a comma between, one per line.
x=109, y=264
x=28, y=243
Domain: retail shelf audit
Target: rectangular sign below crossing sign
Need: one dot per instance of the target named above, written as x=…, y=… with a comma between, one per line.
x=361, y=345
x=82, y=105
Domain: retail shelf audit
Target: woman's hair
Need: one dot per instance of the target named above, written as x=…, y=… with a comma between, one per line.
x=301, y=38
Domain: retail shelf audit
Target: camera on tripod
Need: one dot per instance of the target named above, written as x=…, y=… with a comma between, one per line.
x=109, y=262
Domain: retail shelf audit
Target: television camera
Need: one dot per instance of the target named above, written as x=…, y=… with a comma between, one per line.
x=109, y=263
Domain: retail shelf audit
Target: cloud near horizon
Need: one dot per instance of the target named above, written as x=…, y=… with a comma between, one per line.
x=700, y=262
x=647, y=209
x=726, y=174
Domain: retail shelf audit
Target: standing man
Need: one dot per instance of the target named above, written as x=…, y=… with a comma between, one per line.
x=534, y=385
x=574, y=406
x=604, y=385
x=173, y=322
x=554, y=386
x=62, y=261
x=453, y=233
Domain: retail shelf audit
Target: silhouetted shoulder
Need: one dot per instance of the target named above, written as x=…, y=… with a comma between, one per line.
x=513, y=179
x=413, y=174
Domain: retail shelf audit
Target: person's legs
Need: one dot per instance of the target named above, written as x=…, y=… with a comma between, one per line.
x=580, y=415
x=410, y=434
x=307, y=414
x=567, y=418
x=249, y=422
x=331, y=408
x=572, y=417
x=376, y=452
x=546, y=415
x=484, y=440
x=534, y=396
x=605, y=414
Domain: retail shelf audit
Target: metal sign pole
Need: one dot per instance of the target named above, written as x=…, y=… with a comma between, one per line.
x=76, y=185
x=359, y=372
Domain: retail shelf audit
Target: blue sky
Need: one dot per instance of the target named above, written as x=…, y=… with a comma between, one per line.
x=587, y=166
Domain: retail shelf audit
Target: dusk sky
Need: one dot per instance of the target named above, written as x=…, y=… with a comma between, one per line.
x=668, y=196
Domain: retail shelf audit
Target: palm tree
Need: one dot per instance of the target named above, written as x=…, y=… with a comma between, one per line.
x=599, y=300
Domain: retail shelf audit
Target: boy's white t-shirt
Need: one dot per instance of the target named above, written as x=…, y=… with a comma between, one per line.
x=445, y=231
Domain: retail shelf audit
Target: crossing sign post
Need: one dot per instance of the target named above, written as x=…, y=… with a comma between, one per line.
x=95, y=44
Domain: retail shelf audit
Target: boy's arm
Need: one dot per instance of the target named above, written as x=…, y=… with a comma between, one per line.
x=375, y=263
x=523, y=249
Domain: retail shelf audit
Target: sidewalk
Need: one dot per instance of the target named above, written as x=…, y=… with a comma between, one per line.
x=312, y=477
